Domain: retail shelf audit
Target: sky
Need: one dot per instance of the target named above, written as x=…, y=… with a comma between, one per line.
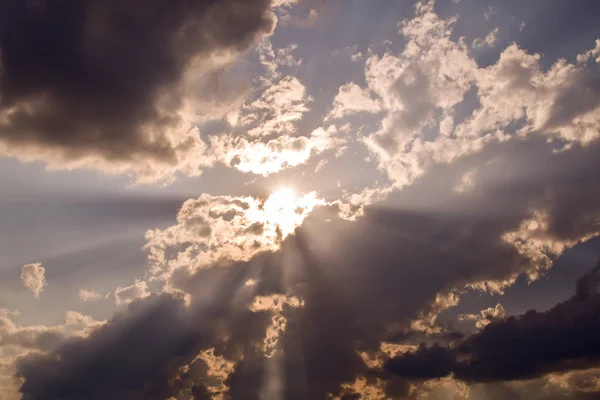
x=299, y=199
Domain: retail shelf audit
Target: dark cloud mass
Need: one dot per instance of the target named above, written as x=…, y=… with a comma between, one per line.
x=525, y=347
x=102, y=80
x=148, y=352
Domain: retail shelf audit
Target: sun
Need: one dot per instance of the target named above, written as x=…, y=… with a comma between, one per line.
x=280, y=209
x=284, y=209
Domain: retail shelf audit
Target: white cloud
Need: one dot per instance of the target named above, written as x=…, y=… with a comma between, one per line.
x=352, y=99
x=277, y=109
x=421, y=87
x=34, y=278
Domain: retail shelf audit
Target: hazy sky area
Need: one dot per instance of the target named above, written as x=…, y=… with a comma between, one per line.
x=299, y=199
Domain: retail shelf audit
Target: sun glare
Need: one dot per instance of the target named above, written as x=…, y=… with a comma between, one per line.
x=285, y=209
x=280, y=209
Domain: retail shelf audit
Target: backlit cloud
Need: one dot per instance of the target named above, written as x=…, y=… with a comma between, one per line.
x=34, y=278
x=214, y=230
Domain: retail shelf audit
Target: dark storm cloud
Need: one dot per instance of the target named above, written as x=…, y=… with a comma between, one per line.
x=102, y=79
x=525, y=347
x=139, y=354
x=361, y=282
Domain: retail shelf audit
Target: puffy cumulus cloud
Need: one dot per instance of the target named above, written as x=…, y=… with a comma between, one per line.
x=524, y=347
x=34, y=278
x=223, y=229
x=430, y=75
x=422, y=97
x=117, y=87
x=562, y=102
x=125, y=295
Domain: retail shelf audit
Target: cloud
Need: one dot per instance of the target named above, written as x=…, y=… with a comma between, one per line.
x=276, y=305
x=89, y=295
x=263, y=138
x=253, y=309
x=361, y=283
x=524, y=347
x=352, y=99
x=158, y=348
x=285, y=151
x=424, y=94
x=219, y=230
x=18, y=341
x=81, y=89
x=125, y=295
x=590, y=54
x=34, y=278
x=485, y=316
x=488, y=41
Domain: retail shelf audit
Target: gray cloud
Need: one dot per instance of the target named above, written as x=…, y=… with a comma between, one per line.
x=104, y=84
x=525, y=347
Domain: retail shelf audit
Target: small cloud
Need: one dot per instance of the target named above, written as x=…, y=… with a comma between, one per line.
x=357, y=56
x=250, y=282
x=89, y=294
x=467, y=182
x=488, y=41
x=489, y=13
x=125, y=295
x=34, y=277
x=320, y=165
